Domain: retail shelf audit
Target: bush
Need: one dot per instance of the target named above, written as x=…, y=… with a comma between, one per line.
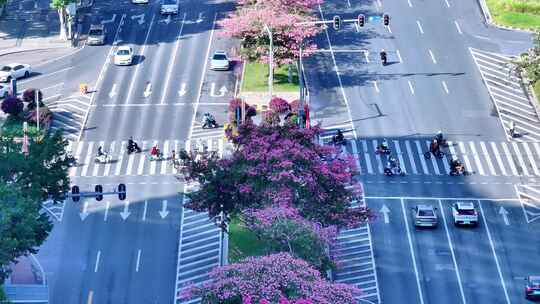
x=29, y=95
x=12, y=105
x=279, y=105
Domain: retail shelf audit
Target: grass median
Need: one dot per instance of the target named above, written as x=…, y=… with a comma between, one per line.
x=256, y=78
x=243, y=242
x=516, y=13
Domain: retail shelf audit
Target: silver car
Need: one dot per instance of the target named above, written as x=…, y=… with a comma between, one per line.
x=96, y=35
x=220, y=61
x=425, y=216
x=15, y=71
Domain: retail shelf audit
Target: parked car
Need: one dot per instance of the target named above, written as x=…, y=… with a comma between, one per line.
x=220, y=61
x=14, y=71
x=464, y=213
x=425, y=216
x=123, y=55
x=4, y=91
x=168, y=7
x=532, y=287
x=96, y=35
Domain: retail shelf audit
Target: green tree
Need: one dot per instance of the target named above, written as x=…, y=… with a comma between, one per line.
x=60, y=6
x=43, y=173
x=22, y=227
x=529, y=62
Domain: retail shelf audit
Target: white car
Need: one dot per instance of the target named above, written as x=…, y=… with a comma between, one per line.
x=14, y=71
x=168, y=7
x=123, y=55
x=139, y=1
x=4, y=91
x=464, y=213
x=220, y=61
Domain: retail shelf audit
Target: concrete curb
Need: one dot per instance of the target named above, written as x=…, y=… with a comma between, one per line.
x=489, y=20
x=22, y=50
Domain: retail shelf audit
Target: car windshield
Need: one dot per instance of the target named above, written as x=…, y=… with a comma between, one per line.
x=6, y=69
x=95, y=32
x=535, y=282
x=122, y=52
x=425, y=213
x=465, y=211
x=220, y=57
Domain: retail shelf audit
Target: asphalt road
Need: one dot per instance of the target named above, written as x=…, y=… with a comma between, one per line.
x=127, y=251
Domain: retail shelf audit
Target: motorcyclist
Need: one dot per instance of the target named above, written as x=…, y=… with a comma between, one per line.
x=338, y=138
x=434, y=147
x=392, y=162
x=456, y=165
x=383, y=147
x=132, y=145
x=209, y=120
x=512, y=129
x=439, y=136
x=100, y=151
x=383, y=56
x=154, y=151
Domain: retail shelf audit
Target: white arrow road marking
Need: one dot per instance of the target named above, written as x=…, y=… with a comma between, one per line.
x=84, y=213
x=200, y=19
x=140, y=17
x=432, y=56
x=173, y=59
x=144, y=210
x=419, y=27
x=98, y=257
x=222, y=91
x=458, y=28
x=107, y=206
x=504, y=215
x=182, y=90
x=163, y=213
x=112, y=93
x=148, y=89
x=124, y=214
x=411, y=87
x=109, y=21
x=168, y=20
x=384, y=210
x=445, y=87
x=138, y=260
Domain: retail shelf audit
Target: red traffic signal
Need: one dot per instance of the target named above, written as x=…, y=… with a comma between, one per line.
x=121, y=192
x=361, y=20
x=386, y=19
x=99, y=191
x=75, y=193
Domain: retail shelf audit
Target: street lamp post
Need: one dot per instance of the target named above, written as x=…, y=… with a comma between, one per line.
x=302, y=97
x=36, y=98
x=270, y=61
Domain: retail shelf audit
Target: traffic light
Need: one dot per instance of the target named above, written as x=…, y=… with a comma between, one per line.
x=75, y=194
x=361, y=20
x=386, y=19
x=122, y=192
x=337, y=23
x=99, y=191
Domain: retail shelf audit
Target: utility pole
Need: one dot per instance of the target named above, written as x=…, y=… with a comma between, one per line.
x=36, y=98
x=270, y=61
x=301, y=113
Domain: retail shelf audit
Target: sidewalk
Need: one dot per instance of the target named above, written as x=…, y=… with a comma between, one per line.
x=31, y=26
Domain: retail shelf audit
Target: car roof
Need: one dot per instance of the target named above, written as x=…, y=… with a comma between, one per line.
x=220, y=52
x=96, y=26
x=124, y=47
x=533, y=278
x=11, y=65
x=465, y=205
x=424, y=207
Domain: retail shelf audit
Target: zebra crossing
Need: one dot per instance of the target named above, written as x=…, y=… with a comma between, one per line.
x=199, y=133
x=138, y=164
x=529, y=197
x=199, y=251
x=485, y=158
x=69, y=113
x=353, y=254
x=511, y=99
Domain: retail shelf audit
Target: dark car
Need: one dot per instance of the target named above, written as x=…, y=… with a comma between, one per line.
x=532, y=287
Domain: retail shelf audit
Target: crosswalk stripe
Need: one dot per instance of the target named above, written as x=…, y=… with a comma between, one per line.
x=355, y=154
x=400, y=155
x=174, y=171
x=509, y=158
x=530, y=156
x=509, y=93
x=499, y=159
x=87, y=159
x=433, y=159
x=476, y=159
x=120, y=162
x=466, y=160
x=108, y=165
x=366, y=157
x=520, y=103
x=411, y=158
x=378, y=156
x=73, y=170
x=166, y=153
x=520, y=159
x=446, y=163
x=152, y=162
x=488, y=158
x=421, y=157
x=97, y=165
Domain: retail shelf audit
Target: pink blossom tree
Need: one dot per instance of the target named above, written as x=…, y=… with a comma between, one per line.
x=276, y=278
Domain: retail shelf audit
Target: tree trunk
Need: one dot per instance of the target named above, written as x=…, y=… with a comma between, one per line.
x=62, y=17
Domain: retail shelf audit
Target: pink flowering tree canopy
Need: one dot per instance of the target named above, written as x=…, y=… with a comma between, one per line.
x=277, y=278
x=280, y=166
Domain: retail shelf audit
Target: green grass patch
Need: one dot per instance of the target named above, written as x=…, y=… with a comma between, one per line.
x=536, y=88
x=522, y=14
x=14, y=125
x=256, y=78
x=243, y=242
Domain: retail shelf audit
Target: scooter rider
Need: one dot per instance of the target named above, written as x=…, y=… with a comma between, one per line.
x=209, y=120
x=383, y=56
x=100, y=151
x=439, y=136
x=383, y=147
x=338, y=138
x=132, y=145
x=434, y=147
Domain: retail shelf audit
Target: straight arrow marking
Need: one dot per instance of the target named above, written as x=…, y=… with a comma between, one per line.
x=504, y=214
x=124, y=214
x=138, y=260
x=384, y=210
x=107, y=205
x=84, y=213
x=163, y=213
x=113, y=91
x=109, y=21
x=144, y=210
x=148, y=89
x=182, y=91
x=98, y=257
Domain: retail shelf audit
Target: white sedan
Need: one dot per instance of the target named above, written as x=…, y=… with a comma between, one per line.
x=14, y=71
x=220, y=61
x=123, y=55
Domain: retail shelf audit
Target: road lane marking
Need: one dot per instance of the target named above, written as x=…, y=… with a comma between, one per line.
x=130, y=90
x=171, y=63
x=144, y=210
x=509, y=158
x=433, y=159
x=421, y=157
x=445, y=87
x=520, y=159
x=419, y=27
x=432, y=56
x=378, y=156
x=409, y=2
x=494, y=253
x=97, y=165
x=411, y=250
x=464, y=301
x=138, y=260
x=389, y=29
x=476, y=158
x=98, y=257
x=165, y=162
x=73, y=170
x=399, y=56
x=153, y=163
x=107, y=206
x=42, y=76
x=366, y=157
x=366, y=55
x=498, y=158
x=90, y=297
x=466, y=160
x=411, y=158
x=400, y=155
x=411, y=87
x=447, y=3
x=376, y=86
x=88, y=159
x=488, y=159
x=530, y=156
x=458, y=28
x=108, y=164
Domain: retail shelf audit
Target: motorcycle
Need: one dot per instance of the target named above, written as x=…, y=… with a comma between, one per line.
x=383, y=150
x=156, y=157
x=391, y=171
x=383, y=58
x=339, y=141
x=133, y=149
x=209, y=123
x=103, y=158
x=456, y=170
x=438, y=153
